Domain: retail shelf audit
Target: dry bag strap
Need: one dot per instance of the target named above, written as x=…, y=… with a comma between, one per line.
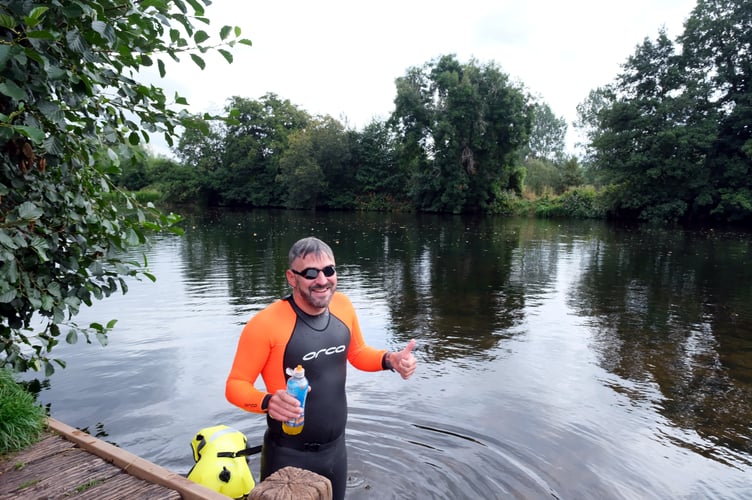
x=242, y=453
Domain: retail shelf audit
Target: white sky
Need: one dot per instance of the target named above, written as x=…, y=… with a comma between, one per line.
x=341, y=58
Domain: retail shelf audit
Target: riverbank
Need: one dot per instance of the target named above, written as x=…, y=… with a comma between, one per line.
x=67, y=461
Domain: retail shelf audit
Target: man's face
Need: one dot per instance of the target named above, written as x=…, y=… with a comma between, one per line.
x=312, y=295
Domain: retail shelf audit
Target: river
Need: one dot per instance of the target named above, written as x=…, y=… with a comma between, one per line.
x=557, y=359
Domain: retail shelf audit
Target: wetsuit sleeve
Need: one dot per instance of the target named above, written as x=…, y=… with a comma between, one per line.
x=361, y=355
x=260, y=352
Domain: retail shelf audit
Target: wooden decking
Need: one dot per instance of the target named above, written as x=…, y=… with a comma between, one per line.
x=68, y=463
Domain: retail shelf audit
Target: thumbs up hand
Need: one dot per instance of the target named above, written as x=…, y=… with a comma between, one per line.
x=403, y=362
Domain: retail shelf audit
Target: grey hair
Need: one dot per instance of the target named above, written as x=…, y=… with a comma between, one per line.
x=310, y=245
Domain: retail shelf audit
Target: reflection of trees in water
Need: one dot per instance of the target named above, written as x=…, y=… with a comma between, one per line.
x=670, y=308
x=457, y=283
x=247, y=250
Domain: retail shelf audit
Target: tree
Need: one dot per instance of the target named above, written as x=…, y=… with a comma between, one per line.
x=252, y=147
x=649, y=135
x=717, y=56
x=331, y=150
x=381, y=178
x=201, y=151
x=547, y=135
x=299, y=173
x=71, y=105
x=461, y=127
x=671, y=134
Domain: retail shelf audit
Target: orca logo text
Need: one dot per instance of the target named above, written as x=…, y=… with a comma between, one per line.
x=326, y=352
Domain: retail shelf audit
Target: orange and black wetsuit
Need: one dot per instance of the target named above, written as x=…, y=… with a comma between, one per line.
x=282, y=336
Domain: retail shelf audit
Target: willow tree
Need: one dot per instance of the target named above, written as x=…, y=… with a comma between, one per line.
x=72, y=105
x=461, y=127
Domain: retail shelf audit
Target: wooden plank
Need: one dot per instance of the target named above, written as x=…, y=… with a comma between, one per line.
x=69, y=463
x=58, y=468
x=49, y=445
x=126, y=486
x=135, y=465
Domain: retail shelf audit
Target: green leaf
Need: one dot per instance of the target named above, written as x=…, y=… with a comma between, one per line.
x=72, y=10
x=225, y=32
x=7, y=297
x=226, y=54
x=9, y=88
x=52, y=112
x=133, y=238
x=41, y=35
x=200, y=37
x=7, y=21
x=54, y=290
x=6, y=240
x=53, y=145
x=35, y=16
x=47, y=303
x=4, y=54
x=72, y=337
x=29, y=211
x=197, y=7
x=33, y=133
x=102, y=338
x=104, y=29
x=40, y=247
x=199, y=61
x=161, y=66
x=76, y=42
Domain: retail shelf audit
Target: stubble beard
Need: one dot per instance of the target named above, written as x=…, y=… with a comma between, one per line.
x=315, y=300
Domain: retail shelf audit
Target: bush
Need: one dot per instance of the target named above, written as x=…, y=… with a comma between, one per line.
x=22, y=420
x=508, y=203
x=580, y=203
x=146, y=195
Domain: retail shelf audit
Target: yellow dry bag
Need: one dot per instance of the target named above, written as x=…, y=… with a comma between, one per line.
x=220, y=454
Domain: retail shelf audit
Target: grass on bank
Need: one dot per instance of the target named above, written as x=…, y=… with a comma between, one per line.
x=22, y=420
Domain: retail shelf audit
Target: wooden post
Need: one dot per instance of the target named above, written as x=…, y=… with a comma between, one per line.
x=291, y=483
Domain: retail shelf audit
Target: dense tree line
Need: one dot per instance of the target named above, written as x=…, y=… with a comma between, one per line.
x=672, y=136
x=668, y=140
x=456, y=142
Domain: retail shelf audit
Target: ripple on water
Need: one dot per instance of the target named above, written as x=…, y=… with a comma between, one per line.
x=389, y=458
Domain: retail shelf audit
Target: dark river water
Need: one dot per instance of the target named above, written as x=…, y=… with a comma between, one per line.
x=560, y=360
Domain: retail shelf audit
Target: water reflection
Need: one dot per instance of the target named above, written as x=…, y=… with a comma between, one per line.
x=558, y=360
x=671, y=309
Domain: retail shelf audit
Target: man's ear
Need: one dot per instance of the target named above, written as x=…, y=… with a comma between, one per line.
x=290, y=278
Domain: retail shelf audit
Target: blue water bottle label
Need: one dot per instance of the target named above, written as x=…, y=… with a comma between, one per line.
x=297, y=386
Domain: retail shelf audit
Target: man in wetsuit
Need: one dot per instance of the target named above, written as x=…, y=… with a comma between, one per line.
x=315, y=327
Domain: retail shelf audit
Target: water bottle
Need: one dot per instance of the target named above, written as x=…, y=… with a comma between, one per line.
x=297, y=386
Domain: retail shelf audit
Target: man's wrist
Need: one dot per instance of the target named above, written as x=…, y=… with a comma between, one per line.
x=265, y=402
x=387, y=361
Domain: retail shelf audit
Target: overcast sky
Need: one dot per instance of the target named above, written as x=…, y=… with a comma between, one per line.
x=341, y=58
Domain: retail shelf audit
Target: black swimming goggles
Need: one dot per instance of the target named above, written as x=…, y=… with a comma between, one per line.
x=311, y=273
